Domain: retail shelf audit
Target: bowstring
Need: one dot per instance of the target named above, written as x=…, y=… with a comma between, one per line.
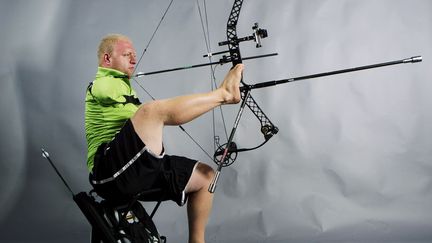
x=148, y=93
x=145, y=50
x=214, y=78
x=206, y=35
x=180, y=126
x=153, y=35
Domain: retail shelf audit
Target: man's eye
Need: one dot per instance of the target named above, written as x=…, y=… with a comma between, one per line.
x=129, y=54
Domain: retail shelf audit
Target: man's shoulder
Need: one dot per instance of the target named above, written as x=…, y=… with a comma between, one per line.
x=106, y=83
x=109, y=89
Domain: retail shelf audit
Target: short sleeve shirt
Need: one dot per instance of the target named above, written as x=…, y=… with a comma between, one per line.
x=110, y=101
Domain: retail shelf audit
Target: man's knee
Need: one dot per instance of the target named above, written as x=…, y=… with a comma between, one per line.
x=201, y=178
x=147, y=110
x=148, y=114
x=205, y=170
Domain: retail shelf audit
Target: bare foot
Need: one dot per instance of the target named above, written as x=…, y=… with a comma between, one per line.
x=231, y=85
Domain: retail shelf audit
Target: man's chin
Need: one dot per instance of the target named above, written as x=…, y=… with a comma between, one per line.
x=130, y=73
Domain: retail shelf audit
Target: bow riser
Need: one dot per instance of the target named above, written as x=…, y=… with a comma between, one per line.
x=267, y=127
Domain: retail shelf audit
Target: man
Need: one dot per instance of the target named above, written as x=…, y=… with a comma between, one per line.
x=125, y=149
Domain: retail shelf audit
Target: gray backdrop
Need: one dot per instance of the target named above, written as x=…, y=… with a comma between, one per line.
x=351, y=163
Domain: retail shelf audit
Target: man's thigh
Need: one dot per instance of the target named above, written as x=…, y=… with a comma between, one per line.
x=148, y=126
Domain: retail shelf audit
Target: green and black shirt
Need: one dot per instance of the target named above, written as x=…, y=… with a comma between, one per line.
x=110, y=101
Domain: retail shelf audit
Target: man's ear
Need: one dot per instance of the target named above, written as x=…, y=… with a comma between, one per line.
x=106, y=59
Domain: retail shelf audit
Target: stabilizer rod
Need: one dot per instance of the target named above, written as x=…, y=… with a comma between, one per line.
x=281, y=81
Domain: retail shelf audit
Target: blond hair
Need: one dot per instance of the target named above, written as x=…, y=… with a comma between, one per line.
x=106, y=45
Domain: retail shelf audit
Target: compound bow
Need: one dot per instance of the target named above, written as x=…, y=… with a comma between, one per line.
x=226, y=154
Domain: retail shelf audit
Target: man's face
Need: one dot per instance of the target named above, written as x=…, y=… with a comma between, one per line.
x=123, y=57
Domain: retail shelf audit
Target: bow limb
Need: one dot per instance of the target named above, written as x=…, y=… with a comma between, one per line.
x=232, y=39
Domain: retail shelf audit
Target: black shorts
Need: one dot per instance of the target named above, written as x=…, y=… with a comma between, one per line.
x=124, y=167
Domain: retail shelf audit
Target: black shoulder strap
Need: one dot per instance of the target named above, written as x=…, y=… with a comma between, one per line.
x=89, y=87
x=129, y=98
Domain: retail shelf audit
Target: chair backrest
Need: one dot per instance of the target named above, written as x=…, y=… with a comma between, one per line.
x=92, y=212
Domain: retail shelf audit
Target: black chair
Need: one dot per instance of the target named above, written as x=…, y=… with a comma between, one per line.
x=119, y=221
x=116, y=221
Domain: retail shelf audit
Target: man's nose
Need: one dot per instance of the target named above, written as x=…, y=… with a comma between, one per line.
x=132, y=59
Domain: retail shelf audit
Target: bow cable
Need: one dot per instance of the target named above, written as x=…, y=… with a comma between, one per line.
x=148, y=93
x=213, y=85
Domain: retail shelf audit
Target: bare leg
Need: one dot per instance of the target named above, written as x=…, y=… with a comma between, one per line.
x=150, y=119
x=199, y=202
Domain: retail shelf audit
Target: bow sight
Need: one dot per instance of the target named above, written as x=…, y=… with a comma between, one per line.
x=257, y=35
